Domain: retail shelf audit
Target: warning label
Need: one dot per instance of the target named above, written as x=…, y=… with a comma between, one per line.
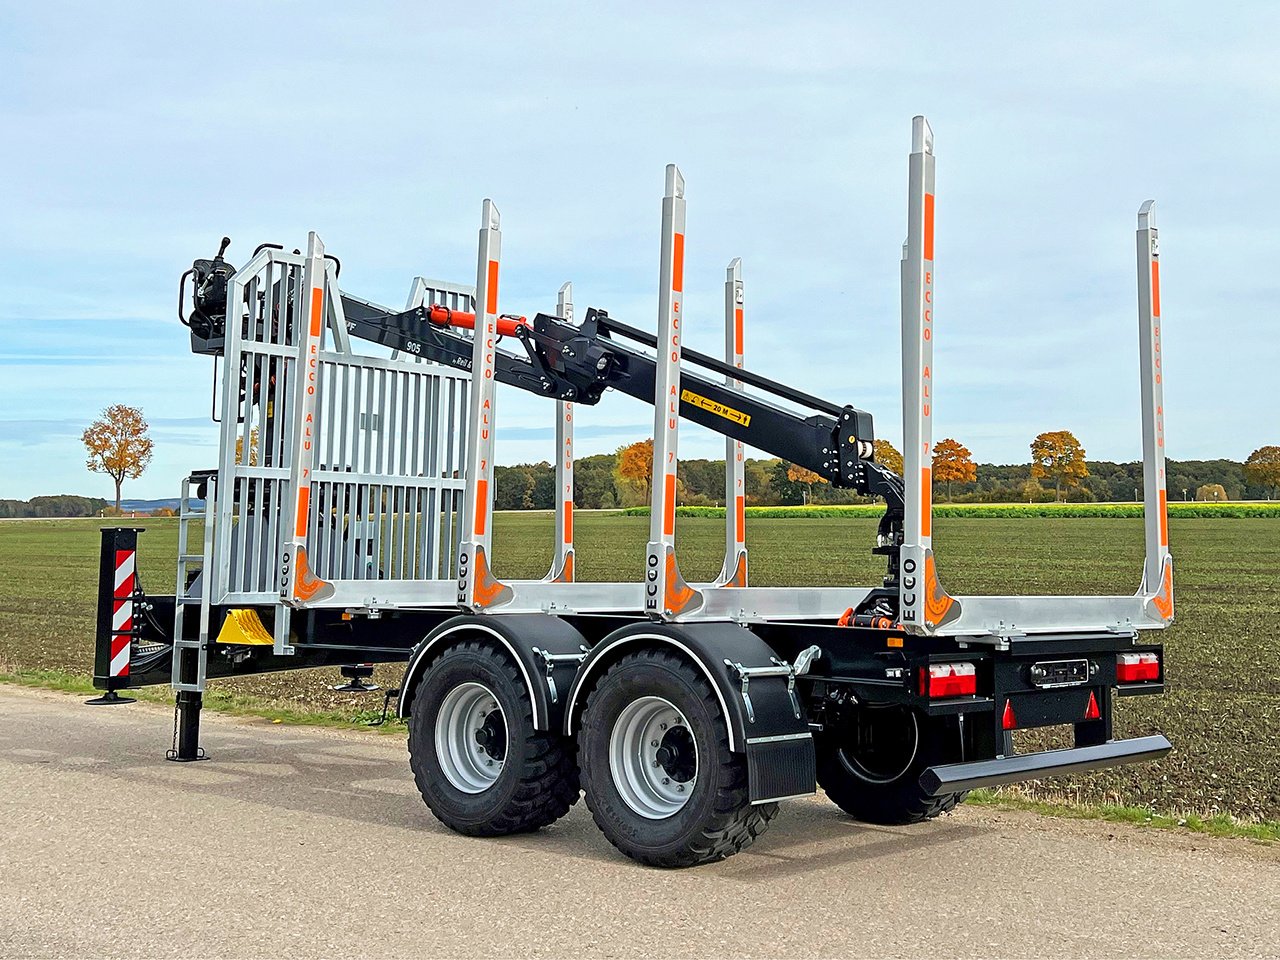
x=719, y=409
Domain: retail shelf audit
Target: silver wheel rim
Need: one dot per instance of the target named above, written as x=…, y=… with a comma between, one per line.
x=646, y=735
x=471, y=756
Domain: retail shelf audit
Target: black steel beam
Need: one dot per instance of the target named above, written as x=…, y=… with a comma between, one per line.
x=956, y=777
x=608, y=324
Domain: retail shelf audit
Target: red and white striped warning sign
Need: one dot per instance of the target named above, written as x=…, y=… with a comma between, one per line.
x=122, y=614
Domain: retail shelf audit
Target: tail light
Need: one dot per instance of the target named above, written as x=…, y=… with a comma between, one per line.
x=1137, y=667
x=949, y=680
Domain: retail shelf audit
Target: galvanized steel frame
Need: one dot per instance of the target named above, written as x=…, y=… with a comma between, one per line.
x=311, y=386
x=925, y=606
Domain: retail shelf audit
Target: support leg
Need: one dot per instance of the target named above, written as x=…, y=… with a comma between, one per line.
x=186, y=728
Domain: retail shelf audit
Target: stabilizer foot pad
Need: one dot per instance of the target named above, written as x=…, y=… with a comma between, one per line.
x=110, y=698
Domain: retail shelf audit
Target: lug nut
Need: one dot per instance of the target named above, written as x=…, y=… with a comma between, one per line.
x=653, y=743
x=666, y=780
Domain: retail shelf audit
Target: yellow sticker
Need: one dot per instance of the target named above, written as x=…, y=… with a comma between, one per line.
x=719, y=409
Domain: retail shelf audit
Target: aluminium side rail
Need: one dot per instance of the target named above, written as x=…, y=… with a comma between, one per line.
x=925, y=606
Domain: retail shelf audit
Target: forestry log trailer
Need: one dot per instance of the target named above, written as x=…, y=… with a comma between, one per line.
x=349, y=522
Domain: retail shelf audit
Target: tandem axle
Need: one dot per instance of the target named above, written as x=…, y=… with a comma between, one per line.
x=349, y=521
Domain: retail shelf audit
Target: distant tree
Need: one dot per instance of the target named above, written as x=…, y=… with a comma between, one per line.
x=1032, y=492
x=1058, y=456
x=1211, y=493
x=798, y=474
x=513, y=487
x=759, y=481
x=887, y=456
x=118, y=445
x=253, y=448
x=952, y=463
x=635, y=465
x=543, y=494
x=594, y=486
x=703, y=481
x=1263, y=469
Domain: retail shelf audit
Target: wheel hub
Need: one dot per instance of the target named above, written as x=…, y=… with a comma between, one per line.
x=676, y=754
x=492, y=736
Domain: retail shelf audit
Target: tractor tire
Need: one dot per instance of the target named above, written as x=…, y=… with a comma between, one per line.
x=871, y=768
x=658, y=775
x=479, y=763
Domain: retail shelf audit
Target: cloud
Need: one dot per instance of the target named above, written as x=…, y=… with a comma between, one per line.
x=384, y=126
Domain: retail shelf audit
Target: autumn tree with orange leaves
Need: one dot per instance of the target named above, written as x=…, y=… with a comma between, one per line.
x=1263, y=468
x=118, y=445
x=887, y=456
x=635, y=465
x=953, y=463
x=1058, y=456
x=798, y=474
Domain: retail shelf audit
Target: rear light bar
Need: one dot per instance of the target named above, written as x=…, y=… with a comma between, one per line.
x=1137, y=667
x=948, y=680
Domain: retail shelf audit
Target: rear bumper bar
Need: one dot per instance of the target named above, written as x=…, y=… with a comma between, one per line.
x=955, y=777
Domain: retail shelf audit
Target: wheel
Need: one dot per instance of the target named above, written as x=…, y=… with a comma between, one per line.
x=870, y=767
x=480, y=765
x=657, y=771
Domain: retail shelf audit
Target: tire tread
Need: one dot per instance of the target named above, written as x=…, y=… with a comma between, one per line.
x=549, y=784
x=734, y=824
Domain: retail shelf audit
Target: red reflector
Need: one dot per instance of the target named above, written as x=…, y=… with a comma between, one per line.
x=1008, y=721
x=1091, y=711
x=949, y=680
x=1137, y=667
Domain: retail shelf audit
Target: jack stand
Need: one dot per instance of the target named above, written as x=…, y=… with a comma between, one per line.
x=110, y=698
x=386, y=706
x=356, y=674
x=186, y=729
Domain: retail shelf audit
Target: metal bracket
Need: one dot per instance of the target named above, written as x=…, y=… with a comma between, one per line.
x=551, y=660
x=780, y=668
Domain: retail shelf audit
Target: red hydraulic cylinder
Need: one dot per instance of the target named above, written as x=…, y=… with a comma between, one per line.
x=444, y=317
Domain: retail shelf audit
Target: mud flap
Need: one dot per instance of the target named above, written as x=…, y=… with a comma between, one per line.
x=766, y=720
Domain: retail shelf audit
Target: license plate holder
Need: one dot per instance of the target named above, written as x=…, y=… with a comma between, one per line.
x=1054, y=674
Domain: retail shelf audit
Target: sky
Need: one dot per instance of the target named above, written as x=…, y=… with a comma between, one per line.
x=137, y=135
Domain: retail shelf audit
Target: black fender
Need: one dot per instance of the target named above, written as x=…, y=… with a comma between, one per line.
x=546, y=650
x=778, y=744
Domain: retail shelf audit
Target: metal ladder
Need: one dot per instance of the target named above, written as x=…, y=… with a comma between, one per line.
x=184, y=648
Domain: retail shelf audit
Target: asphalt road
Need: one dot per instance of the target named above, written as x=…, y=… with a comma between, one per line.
x=308, y=842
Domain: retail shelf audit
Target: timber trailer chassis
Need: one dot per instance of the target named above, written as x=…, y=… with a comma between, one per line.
x=349, y=522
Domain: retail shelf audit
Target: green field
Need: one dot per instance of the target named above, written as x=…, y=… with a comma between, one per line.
x=1222, y=711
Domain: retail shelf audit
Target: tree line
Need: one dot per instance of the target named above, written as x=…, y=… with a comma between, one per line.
x=118, y=445
x=64, y=505
x=1058, y=471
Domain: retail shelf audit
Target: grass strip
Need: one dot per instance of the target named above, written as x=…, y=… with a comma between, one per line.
x=1215, y=825
x=233, y=704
